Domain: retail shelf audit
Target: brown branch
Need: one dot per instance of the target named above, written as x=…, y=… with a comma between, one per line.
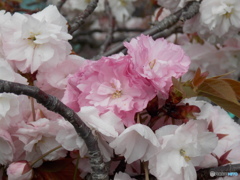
x=80, y=20
x=189, y=11
x=109, y=35
x=102, y=31
x=60, y=4
x=53, y=104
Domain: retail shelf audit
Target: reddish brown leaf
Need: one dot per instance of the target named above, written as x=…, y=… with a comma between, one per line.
x=199, y=78
x=218, y=88
x=210, y=127
x=152, y=107
x=223, y=159
x=235, y=85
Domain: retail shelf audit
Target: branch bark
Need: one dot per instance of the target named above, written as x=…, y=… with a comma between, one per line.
x=189, y=11
x=80, y=20
x=99, y=170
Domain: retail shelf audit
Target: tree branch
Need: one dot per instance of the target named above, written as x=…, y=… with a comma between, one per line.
x=99, y=171
x=189, y=11
x=109, y=35
x=80, y=20
x=60, y=4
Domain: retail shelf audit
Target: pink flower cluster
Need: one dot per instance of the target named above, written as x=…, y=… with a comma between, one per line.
x=124, y=84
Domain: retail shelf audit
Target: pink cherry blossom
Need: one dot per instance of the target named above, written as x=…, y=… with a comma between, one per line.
x=158, y=61
x=39, y=137
x=20, y=170
x=136, y=142
x=112, y=84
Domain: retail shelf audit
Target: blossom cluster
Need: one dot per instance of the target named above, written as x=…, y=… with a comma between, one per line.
x=114, y=96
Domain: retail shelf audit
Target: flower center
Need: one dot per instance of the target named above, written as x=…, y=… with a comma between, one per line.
x=183, y=153
x=228, y=15
x=32, y=36
x=152, y=63
x=123, y=3
x=116, y=94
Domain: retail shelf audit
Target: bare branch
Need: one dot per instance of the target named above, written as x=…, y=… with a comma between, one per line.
x=99, y=170
x=189, y=11
x=109, y=35
x=60, y=4
x=80, y=20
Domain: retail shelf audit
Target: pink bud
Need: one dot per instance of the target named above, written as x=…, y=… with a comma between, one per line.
x=20, y=170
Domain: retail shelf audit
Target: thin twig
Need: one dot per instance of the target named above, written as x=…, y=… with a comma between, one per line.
x=80, y=20
x=33, y=108
x=109, y=35
x=53, y=104
x=83, y=33
x=189, y=11
x=60, y=4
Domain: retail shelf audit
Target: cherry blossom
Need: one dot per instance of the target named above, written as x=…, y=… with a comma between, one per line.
x=182, y=148
x=36, y=39
x=39, y=138
x=20, y=170
x=220, y=15
x=136, y=142
x=121, y=175
x=112, y=84
x=224, y=127
x=160, y=64
x=7, y=148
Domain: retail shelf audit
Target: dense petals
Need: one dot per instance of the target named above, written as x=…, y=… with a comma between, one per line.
x=158, y=61
x=136, y=142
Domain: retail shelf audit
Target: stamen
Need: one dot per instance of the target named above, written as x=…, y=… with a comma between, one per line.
x=152, y=63
x=116, y=94
x=183, y=153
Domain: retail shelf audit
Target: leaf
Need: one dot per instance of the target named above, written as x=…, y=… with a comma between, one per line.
x=235, y=85
x=218, y=88
x=216, y=77
x=152, y=107
x=227, y=105
x=199, y=78
x=183, y=90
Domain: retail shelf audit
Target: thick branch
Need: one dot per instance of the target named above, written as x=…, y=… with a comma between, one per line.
x=189, y=11
x=80, y=20
x=53, y=104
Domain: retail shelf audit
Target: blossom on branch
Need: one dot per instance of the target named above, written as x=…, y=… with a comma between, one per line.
x=158, y=61
x=30, y=41
x=110, y=83
x=182, y=148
